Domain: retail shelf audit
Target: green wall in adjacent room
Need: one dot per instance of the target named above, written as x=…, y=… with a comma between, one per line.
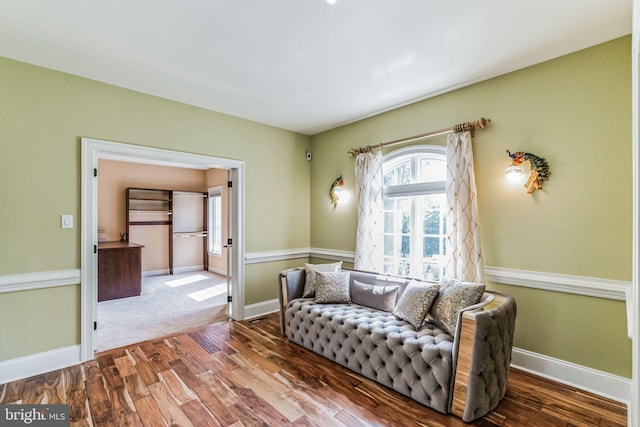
x=45, y=113
x=576, y=112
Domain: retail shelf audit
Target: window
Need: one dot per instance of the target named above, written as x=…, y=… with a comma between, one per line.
x=215, y=220
x=414, y=212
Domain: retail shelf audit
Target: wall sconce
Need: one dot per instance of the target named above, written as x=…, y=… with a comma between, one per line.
x=539, y=170
x=336, y=186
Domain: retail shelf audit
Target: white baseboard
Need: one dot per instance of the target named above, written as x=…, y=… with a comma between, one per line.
x=176, y=270
x=151, y=273
x=261, y=308
x=592, y=380
x=36, y=364
x=187, y=269
x=219, y=271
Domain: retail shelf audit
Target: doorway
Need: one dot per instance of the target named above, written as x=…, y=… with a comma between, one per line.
x=92, y=151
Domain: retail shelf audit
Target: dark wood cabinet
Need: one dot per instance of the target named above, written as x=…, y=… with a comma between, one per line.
x=119, y=270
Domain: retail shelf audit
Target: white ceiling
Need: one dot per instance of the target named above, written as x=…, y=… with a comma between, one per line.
x=302, y=65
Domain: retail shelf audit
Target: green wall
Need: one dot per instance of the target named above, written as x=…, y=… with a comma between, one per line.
x=576, y=112
x=44, y=114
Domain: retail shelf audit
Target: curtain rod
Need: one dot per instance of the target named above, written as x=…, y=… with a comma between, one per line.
x=468, y=126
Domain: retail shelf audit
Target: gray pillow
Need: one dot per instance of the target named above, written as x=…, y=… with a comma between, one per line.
x=379, y=297
x=310, y=279
x=415, y=302
x=454, y=295
x=332, y=287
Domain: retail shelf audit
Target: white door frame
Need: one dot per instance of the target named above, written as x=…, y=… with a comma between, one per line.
x=92, y=150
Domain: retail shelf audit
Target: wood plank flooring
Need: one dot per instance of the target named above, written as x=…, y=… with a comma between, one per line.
x=246, y=374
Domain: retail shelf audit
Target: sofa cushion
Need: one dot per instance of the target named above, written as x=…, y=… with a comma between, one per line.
x=454, y=295
x=310, y=279
x=332, y=287
x=415, y=302
x=380, y=297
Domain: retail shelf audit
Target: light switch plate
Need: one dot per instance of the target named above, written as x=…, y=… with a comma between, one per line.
x=66, y=221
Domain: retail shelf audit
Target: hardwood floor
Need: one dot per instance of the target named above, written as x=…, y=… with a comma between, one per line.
x=246, y=374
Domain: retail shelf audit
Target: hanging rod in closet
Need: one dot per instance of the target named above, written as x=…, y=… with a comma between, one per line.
x=462, y=127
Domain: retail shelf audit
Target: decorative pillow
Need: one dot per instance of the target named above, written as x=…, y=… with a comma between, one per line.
x=310, y=279
x=379, y=297
x=415, y=302
x=454, y=295
x=332, y=287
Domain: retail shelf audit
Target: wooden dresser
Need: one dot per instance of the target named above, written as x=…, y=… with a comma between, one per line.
x=119, y=270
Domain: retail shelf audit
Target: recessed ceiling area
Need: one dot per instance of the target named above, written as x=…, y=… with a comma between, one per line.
x=301, y=65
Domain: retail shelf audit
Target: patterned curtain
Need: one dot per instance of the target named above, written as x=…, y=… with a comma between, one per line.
x=463, y=235
x=369, y=240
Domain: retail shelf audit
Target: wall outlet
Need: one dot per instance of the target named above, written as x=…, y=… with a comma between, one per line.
x=66, y=221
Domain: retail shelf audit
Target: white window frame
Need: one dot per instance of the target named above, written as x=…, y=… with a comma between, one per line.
x=415, y=189
x=215, y=221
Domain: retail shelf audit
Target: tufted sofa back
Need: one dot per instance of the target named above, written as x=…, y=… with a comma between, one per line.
x=291, y=285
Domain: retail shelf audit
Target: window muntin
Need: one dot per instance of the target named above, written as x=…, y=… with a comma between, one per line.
x=414, y=212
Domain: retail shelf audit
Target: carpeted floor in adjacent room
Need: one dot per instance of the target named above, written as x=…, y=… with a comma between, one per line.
x=167, y=304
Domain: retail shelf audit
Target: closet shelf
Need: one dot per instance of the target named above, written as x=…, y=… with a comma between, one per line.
x=149, y=199
x=190, y=234
x=149, y=211
x=189, y=194
x=133, y=223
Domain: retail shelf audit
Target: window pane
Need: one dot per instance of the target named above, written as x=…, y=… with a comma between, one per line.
x=406, y=222
x=432, y=222
x=432, y=170
x=431, y=246
x=432, y=216
x=389, y=248
x=388, y=203
x=432, y=270
x=397, y=267
x=388, y=222
x=397, y=229
x=399, y=174
x=405, y=249
x=215, y=224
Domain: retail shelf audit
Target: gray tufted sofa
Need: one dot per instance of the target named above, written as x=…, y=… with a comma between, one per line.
x=465, y=374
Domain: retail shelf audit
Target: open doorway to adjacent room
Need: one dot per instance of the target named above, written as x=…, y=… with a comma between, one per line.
x=177, y=214
x=176, y=219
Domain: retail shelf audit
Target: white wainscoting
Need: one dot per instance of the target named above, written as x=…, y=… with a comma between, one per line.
x=589, y=286
x=38, y=280
x=279, y=255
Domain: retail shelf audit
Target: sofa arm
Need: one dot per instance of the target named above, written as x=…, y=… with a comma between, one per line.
x=291, y=286
x=485, y=340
